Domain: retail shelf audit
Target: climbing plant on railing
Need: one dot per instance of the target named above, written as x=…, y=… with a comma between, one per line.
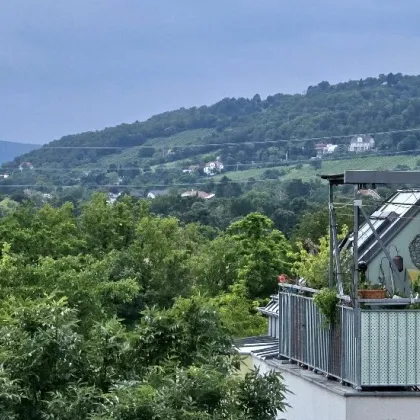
x=327, y=301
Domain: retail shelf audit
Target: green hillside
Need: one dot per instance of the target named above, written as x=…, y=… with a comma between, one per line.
x=308, y=172
x=249, y=136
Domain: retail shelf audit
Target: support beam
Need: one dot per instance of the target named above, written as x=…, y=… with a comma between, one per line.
x=330, y=208
x=279, y=321
x=357, y=205
x=383, y=247
x=357, y=314
x=381, y=177
x=336, y=251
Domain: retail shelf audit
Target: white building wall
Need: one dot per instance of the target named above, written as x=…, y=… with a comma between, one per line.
x=383, y=408
x=307, y=401
x=310, y=400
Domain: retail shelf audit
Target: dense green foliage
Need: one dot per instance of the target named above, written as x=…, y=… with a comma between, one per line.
x=128, y=310
x=327, y=302
x=115, y=313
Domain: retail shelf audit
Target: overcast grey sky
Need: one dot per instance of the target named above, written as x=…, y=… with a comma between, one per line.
x=68, y=66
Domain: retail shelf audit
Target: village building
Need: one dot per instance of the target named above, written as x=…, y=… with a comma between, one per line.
x=112, y=197
x=26, y=165
x=324, y=149
x=199, y=194
x=361, y=143
x=211, y=168
x=157, y=193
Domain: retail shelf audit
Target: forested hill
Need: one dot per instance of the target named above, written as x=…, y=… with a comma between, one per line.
x=242, y=132
x=374, y=104
x=10, y=150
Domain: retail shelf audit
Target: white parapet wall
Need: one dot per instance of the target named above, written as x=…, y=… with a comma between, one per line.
x=314, y=397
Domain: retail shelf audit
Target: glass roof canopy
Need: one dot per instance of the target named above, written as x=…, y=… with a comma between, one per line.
x=388, y=215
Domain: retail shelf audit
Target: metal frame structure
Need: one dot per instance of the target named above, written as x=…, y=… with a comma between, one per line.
x=360, y=179
x=365, y=348
x=349, y=350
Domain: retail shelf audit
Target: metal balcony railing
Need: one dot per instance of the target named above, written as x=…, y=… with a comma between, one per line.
x=366, y=348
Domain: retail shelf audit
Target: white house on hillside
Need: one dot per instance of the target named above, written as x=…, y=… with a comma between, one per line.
x=26, y=165
x=195, y=193
x=212, y=168
x=157, y=193
x=361, y=143
x=112, y=198
x=324, y=149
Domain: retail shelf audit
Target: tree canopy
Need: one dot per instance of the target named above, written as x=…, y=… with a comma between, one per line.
x=115, y=313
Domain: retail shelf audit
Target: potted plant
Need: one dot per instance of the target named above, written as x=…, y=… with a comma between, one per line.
x=327, y=300
x=368, y=290
x=372, y=291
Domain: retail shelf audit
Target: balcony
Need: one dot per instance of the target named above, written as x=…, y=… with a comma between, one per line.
x=376, y=348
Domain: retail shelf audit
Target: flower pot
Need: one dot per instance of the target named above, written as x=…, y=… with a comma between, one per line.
x=372, y=294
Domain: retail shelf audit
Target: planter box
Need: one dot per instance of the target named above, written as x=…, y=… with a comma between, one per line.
x=372, y=294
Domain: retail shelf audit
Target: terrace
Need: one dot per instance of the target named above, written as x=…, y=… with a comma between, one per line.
x=369, y=344
x=364, y=348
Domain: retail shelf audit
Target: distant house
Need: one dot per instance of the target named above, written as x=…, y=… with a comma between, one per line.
x=26, y=165
x=331, y=148
x=157, y=193
x=361, y=143
x=4, y=176
x=195, y=193
x=323, y=149
x=191, y=169
x=319, y=148
x=211, y=168
x=112, y=198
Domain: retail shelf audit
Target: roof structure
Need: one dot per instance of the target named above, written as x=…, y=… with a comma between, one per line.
x=363, y=138
x=158, y=193
x=388, y=220
x=333, y=179
x=272, y=307
x=264, y=346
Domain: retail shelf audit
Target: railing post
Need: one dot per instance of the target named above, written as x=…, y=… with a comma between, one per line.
x=330, y=207
x=279, y=321
x=357, y=319
x=289, y=324
x=358, y=331
x=342, y=344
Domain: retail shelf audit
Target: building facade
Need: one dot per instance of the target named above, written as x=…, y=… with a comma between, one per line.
x=362, y=143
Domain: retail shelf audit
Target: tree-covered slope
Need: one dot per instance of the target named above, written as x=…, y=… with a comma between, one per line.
x=243, y=132
x=375, y=104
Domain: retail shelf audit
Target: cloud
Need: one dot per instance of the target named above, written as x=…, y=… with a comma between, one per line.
x=68, y=66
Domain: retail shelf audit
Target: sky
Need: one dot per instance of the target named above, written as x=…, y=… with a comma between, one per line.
x=75, y=65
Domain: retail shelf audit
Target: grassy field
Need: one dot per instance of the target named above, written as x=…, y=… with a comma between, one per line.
x=307, y=172
x=181, y=139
